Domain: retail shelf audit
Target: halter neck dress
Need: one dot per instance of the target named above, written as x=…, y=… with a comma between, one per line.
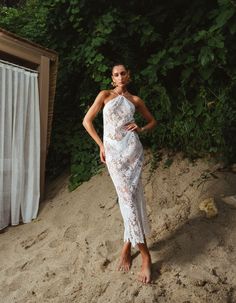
x=124, y=159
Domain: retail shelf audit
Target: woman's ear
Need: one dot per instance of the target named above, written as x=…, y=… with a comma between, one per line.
x=112, y=82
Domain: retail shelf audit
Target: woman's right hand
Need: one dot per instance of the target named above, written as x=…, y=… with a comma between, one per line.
x=102, y=154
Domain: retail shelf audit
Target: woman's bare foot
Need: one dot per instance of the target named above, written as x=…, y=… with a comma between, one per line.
x=145, y=275
x=125, y=259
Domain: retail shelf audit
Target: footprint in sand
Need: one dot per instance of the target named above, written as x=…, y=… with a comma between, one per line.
x=71, y=233
x=33, y=263
x=34, y=240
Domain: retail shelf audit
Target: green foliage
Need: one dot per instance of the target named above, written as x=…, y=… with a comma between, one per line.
x=182, y=58
x=27, y=21
x=85, y=161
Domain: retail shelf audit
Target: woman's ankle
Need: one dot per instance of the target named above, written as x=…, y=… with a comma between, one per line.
x=127, y=247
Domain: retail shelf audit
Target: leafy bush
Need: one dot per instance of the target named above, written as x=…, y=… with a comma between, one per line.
x=181, y=55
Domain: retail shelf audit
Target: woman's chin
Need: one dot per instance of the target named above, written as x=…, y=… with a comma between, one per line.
x=121, y=85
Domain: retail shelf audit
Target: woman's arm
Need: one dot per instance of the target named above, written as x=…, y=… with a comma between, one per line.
x=89, y=117
x=143, y=110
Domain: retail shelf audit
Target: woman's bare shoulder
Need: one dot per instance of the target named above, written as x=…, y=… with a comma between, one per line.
x=104, y=94
x=137, y=100
x=101, y=97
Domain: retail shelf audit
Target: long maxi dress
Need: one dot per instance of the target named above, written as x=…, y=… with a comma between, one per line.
x=124, y=159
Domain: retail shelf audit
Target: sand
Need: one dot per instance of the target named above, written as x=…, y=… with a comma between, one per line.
x=70, y=252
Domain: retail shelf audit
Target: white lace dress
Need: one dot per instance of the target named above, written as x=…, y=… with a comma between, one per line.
x=124, y=159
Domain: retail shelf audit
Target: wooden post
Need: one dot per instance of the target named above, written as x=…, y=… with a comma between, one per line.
x=44, y=100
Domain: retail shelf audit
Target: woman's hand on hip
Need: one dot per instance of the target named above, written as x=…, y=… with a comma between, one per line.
x=132, y=127
x=102, y=154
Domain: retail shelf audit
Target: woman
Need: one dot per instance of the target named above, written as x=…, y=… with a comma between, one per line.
x=122, y=152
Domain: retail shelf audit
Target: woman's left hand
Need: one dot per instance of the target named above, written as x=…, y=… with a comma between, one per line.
x=132, y=127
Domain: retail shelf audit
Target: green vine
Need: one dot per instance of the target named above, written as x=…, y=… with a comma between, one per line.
x=182, y=58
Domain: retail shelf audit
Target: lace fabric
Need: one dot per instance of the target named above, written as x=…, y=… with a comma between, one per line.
x=124, y=159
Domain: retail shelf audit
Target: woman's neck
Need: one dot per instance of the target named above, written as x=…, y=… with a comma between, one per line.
x=120, y=91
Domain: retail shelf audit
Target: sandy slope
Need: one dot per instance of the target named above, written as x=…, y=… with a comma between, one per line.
x=70, y=253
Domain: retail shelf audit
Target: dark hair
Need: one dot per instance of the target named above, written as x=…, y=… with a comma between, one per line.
x=118, y=63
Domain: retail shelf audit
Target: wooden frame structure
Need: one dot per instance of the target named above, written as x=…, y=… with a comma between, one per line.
x=27, y=54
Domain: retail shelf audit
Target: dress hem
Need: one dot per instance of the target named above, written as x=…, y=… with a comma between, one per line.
x=134, y=243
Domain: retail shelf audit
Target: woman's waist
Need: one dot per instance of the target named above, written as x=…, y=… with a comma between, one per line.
x=121, y=141
x=118, y=134
x=117, y=124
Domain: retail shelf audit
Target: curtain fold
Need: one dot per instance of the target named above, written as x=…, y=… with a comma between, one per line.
x=19, y=145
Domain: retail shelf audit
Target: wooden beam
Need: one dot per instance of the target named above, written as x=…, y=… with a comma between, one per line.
x=16, y=49
x=27, y=45
x=44, y=101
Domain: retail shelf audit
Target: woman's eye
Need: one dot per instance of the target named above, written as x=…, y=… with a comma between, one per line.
x=122, y=74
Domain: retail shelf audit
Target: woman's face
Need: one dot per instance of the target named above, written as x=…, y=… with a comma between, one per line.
x=120, y=76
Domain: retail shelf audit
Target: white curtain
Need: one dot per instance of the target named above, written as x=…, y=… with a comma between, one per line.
x=19, y=145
